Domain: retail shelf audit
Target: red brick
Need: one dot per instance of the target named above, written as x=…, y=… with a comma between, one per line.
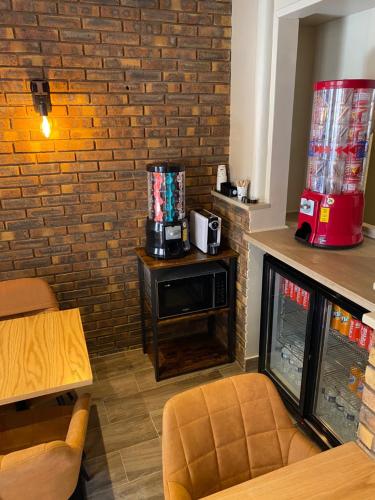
x=119, y=12
x=60, y=21
x=73, y=9
x=6, y=33
x=16, y=46
x=96, y=23
x=121, y=38
x=79, y=36
x=81, y=62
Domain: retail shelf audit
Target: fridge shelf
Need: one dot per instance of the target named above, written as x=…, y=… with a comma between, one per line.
x=337, y=380
x=292, y=331
x=348, y=351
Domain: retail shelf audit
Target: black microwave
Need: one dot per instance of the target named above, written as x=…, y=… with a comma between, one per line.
x=190, y=289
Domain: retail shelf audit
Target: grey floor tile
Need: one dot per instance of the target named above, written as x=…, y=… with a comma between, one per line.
x=142, y=459
x=98, y=415
x=145, y=488
x=230, y=369
x=146, y=378
x=123, y=406
x=116, y=385
x=156, y=398
x=104, y=471
x=113, y=437
x=120, y=364
x=157, y=420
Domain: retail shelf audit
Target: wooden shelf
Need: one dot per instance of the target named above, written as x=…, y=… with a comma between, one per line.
x=187, y=316
x=190, y=353
x=195, y=256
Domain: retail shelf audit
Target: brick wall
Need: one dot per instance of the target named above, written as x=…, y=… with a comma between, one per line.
x=132, y=81
x=235, y=229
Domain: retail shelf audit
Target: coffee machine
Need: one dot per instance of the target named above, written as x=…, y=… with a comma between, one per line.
x=167, y=232
x=332, y=204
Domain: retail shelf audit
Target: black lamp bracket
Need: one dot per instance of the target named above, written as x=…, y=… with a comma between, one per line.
x=41, y=96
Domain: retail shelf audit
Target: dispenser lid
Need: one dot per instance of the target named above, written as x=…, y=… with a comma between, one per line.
x=165, y=167
x=344, y=84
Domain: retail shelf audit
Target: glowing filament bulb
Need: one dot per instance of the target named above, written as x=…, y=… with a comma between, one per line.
x=46, y=127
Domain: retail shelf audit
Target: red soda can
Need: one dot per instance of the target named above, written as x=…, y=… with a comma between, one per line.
x=371, y=339
x=286, y=287
x=299, y=296
x=292, y=291
x=306, y=300
x=354, y=330
x=363, y=336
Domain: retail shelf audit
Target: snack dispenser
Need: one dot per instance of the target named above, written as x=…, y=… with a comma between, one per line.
x=166, y=229
x=332, y=204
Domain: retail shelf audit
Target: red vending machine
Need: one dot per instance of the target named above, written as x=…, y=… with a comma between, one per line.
x=332, y=204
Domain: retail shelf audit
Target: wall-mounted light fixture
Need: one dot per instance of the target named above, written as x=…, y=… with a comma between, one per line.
x=42, y=103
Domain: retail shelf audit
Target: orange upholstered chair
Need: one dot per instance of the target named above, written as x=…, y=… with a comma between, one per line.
x=41, y=451
x=26, y=296
x=225, y=433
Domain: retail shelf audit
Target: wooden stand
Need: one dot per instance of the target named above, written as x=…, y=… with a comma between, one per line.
x=187, y=349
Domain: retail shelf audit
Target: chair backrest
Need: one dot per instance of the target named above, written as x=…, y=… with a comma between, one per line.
x=26, y=296
x=49, y=470
x=224, y=433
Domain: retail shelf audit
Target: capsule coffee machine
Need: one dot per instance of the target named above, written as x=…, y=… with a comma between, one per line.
x=167, y=234
x=332, y=204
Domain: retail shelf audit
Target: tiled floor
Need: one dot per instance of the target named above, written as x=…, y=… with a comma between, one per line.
x=123, y=446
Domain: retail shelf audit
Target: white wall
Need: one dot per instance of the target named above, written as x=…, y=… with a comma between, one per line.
x=243, y=48
x=346, y=49
x=301, y=115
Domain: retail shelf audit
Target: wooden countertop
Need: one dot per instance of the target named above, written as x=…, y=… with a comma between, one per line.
x=42, y=354
x=345, y=472
x=349, y=272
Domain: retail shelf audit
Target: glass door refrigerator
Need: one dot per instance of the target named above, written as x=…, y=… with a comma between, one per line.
x=315, y=349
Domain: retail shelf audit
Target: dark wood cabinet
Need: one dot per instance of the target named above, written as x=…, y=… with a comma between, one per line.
x=191, y=341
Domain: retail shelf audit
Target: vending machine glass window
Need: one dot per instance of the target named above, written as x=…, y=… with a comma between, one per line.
x=343, y=360
x=289, y=324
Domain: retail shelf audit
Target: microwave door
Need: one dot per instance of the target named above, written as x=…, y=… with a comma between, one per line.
x=185, y=295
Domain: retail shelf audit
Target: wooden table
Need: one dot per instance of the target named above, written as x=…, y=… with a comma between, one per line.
x=345, y=472
x=42, y=354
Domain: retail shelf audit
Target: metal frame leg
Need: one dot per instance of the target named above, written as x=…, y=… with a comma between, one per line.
x=142, y=301
x=155, y=333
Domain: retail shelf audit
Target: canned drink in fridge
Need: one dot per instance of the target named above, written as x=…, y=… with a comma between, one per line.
x=306, y=300
x=354, y=330
x=354, y=376
x=364, y=335
x=361, y=383
x=360, y=115
x=345, y=322
x=286, y=287
x=358, y=133
x=292, y=291
x=371, y=340
x=299, y=296
x=336, y=317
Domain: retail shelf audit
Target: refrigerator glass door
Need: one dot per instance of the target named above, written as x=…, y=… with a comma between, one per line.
x=343, y=361
x=289, y=322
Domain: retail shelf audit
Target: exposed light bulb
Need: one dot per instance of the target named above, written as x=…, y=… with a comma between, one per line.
x=46, y=126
